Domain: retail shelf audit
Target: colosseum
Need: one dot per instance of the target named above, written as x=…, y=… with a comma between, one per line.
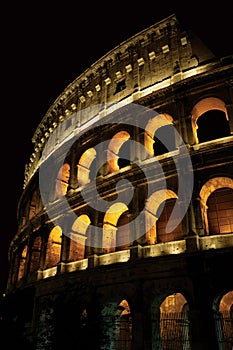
x=125, y=222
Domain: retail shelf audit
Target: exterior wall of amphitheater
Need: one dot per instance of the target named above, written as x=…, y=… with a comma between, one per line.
x=155, y=112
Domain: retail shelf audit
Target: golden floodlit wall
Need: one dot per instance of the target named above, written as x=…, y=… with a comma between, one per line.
x=125, y=226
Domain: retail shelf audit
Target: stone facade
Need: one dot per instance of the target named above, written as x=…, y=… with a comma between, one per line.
x=142, y=140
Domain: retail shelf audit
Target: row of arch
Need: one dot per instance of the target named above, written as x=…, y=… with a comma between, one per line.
x=210, y=121
x=171, y=324
x=44, y=251
x=210, y=111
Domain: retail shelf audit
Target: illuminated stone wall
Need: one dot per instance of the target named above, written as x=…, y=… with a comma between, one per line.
x=97, y=282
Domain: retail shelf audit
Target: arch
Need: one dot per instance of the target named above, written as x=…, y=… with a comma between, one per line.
x=78, y=235
x=80, y=225
x=223, y=315
x=226, y=303
x=123, y=234
x=212, y=125
x=151, y=209
x=22, y=262
x=117, y=325
x=164, y=213
x=124, y=156
x=159, y=121
x=174, y=322
x=113, y=149
x=111, y=218
x=207, y=189
x=62, y=181
x=53, y=250
x=202, y=108
x=214, y=184
x=220, y=211
x=84, y=166
x=35, y=254
x=175, y=302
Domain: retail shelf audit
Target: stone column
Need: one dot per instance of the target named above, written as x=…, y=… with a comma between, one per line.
x=202, y=323
x=138, y=319
x=198, y=216
x=73, y=182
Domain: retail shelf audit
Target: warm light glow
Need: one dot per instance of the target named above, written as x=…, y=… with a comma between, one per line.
x=81, y=224
x=113, y=149
x=226, y=302
x=50, y=272
x=152, y=205
x=114, y=212
x=54, y=247
x=206, y=104
x=154, y=124
x=159, y=249
x=76, y=265
x=207, y=189
x=84, y=164
x=114, y=257
x=173, y=303
x=62, y=180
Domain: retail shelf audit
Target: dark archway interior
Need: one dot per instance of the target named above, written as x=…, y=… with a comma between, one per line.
x=164, y=140
x=124, y=155
x=212, y=125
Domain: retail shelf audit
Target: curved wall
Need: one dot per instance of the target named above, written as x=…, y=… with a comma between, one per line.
x=142, y=136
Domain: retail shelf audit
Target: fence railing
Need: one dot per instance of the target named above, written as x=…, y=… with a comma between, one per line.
x=224, y=329
x=174, y=331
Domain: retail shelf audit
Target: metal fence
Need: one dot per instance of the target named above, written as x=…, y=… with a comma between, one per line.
x=224, y=329
x=116, y=333
x=174, y=331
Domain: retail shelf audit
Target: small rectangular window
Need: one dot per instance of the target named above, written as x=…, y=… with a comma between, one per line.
x=183, y=41
x=165, y=48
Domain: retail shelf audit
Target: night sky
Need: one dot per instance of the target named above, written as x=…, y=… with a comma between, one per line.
x=45, y=45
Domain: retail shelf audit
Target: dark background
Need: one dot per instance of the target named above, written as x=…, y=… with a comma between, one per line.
x=46, y=45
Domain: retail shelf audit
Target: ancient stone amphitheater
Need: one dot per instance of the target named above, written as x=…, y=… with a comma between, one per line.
x=125, y=223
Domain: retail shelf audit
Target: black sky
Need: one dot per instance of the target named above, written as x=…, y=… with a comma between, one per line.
x=45, y=45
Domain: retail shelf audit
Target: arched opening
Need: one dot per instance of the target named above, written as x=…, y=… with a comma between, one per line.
x=53, y=250
x=116, y=146
x=22, y=263
x=62, y=181
x=160, y=135
x=220, y=202
x=209, y=120
x=122, y=235
x=124, y=327
x=124, y=155
x=223, y=314
x=35, y=255
x=212, y=125
x=163, y=214
x=174, y=323
x=110, y=229
x=164, y=140
x=87, y=167
x=154, y=210
x=220, y=211
x=78, y=237
x=116, y=326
